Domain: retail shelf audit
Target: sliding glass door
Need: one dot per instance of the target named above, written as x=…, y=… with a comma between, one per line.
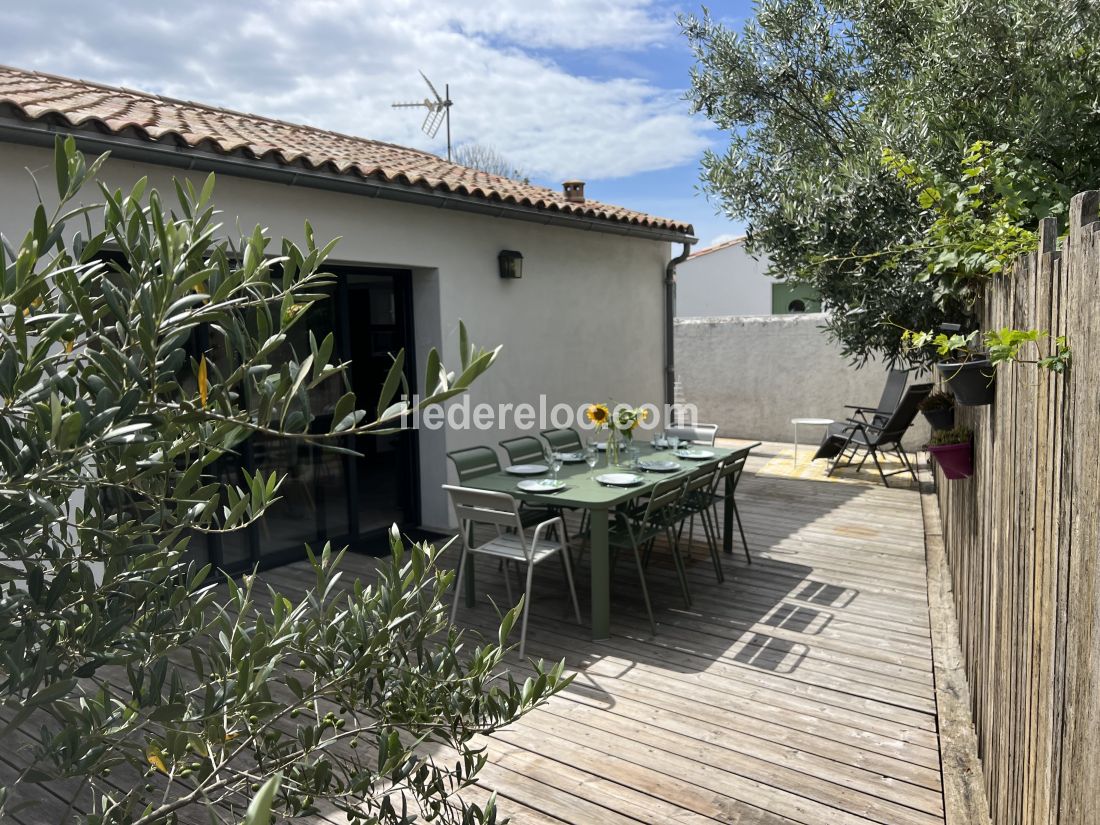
x=329, y=496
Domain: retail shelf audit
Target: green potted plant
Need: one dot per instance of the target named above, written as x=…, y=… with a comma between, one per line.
x=954, y=451
x=967, y=372
x=939, y=408
x=970, y=372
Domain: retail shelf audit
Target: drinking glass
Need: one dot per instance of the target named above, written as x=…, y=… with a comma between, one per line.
x=673, y=441
x=591, y=456
x=555, y=464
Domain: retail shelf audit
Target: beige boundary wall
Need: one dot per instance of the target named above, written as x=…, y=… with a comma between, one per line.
x=751, y=375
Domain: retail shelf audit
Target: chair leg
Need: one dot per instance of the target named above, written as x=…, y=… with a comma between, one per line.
x=508, y=582
x=458, y=584
x=908, y=464
x=741, y=530
x=874, y=455
x=712, y=544
x=839, y=456
x=645, y=590
x=569, y=578
x=678, y=563
x=526, y=609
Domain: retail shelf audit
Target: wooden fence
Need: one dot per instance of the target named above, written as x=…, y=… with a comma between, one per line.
x=1022, y=543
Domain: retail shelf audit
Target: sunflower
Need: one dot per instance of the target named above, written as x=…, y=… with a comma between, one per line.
x=597, y=414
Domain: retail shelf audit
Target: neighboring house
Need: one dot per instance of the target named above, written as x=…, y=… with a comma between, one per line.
x=725, y=279
x=419, y=251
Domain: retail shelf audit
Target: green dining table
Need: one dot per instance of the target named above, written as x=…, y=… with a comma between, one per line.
x=582, y=491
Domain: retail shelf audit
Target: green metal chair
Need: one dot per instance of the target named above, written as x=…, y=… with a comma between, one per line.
x=473, y=462
x=730, y=471
x=563, y=440
x=638, y=534
x=523, y=450
x=698, y=500
x=701, y=434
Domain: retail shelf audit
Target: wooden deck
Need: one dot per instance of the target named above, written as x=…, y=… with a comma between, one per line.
x=801, y=690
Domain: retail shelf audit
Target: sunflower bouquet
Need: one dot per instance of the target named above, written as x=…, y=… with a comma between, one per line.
x=620, y=421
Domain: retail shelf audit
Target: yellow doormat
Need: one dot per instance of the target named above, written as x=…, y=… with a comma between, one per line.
x=783, y=465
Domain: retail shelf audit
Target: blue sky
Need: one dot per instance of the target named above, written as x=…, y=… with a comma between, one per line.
x=674, y=191
x=591, y=89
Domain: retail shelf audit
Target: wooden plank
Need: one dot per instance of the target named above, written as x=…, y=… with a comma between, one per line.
x=1078, y=801
x=800, y=691
x=964, y=796
x=1020, y=543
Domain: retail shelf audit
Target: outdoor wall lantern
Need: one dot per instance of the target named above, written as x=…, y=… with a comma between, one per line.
x=511, y=263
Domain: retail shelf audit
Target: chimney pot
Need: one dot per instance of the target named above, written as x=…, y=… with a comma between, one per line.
x=573, y=190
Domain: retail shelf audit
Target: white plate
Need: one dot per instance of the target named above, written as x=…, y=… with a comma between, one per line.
x=540, y=485
x=527, y=469
x=695, y=454
x=620, y=479
x=601, y=445
x=659, y=466
x=571, y=458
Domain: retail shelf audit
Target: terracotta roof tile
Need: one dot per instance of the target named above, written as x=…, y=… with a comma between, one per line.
x=718, y=247
x=38, y=96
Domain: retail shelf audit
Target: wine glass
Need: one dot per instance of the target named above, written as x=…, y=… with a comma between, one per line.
x=591, y=456
x=673, y=441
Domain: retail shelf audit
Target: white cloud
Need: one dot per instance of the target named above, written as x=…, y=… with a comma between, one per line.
x=341, y=64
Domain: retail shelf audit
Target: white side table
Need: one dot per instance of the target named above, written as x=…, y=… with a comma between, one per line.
x=820, y=422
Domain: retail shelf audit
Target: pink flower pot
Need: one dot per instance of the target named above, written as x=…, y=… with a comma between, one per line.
x=956, y=460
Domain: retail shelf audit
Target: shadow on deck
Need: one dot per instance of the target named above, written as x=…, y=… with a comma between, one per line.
x=800, y=690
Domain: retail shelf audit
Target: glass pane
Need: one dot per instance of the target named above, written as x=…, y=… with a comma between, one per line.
x=293, y=521
x=382, y=309
x=235, y=546
x=314, y=492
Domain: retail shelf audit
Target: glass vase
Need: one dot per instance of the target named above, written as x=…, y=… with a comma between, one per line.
x=614, y=444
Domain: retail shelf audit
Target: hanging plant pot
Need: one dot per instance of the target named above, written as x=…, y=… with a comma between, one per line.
x=974, y=383
x=940, y=419
x=956, y=460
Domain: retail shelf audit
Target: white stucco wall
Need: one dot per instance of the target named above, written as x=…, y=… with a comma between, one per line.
x=584, y=323
x=726, y=281
x=751, y=376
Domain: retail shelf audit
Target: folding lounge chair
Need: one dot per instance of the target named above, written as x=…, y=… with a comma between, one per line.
x=887, y=403
x=891, y=396
x=872, y=439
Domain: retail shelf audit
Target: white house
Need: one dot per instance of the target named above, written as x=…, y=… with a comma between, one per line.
x=726, y=279
x=421, y=239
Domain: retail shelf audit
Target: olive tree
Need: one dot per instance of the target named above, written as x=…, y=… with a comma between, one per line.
x=814, y=94
x=135, y=681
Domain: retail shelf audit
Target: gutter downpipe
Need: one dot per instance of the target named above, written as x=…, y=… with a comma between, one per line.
x=670, y=322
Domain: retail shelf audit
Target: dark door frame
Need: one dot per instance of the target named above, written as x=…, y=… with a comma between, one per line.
x=373, y=540
x=403, y=298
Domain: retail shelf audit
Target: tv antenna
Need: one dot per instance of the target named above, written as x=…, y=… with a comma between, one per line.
x=439, y=110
